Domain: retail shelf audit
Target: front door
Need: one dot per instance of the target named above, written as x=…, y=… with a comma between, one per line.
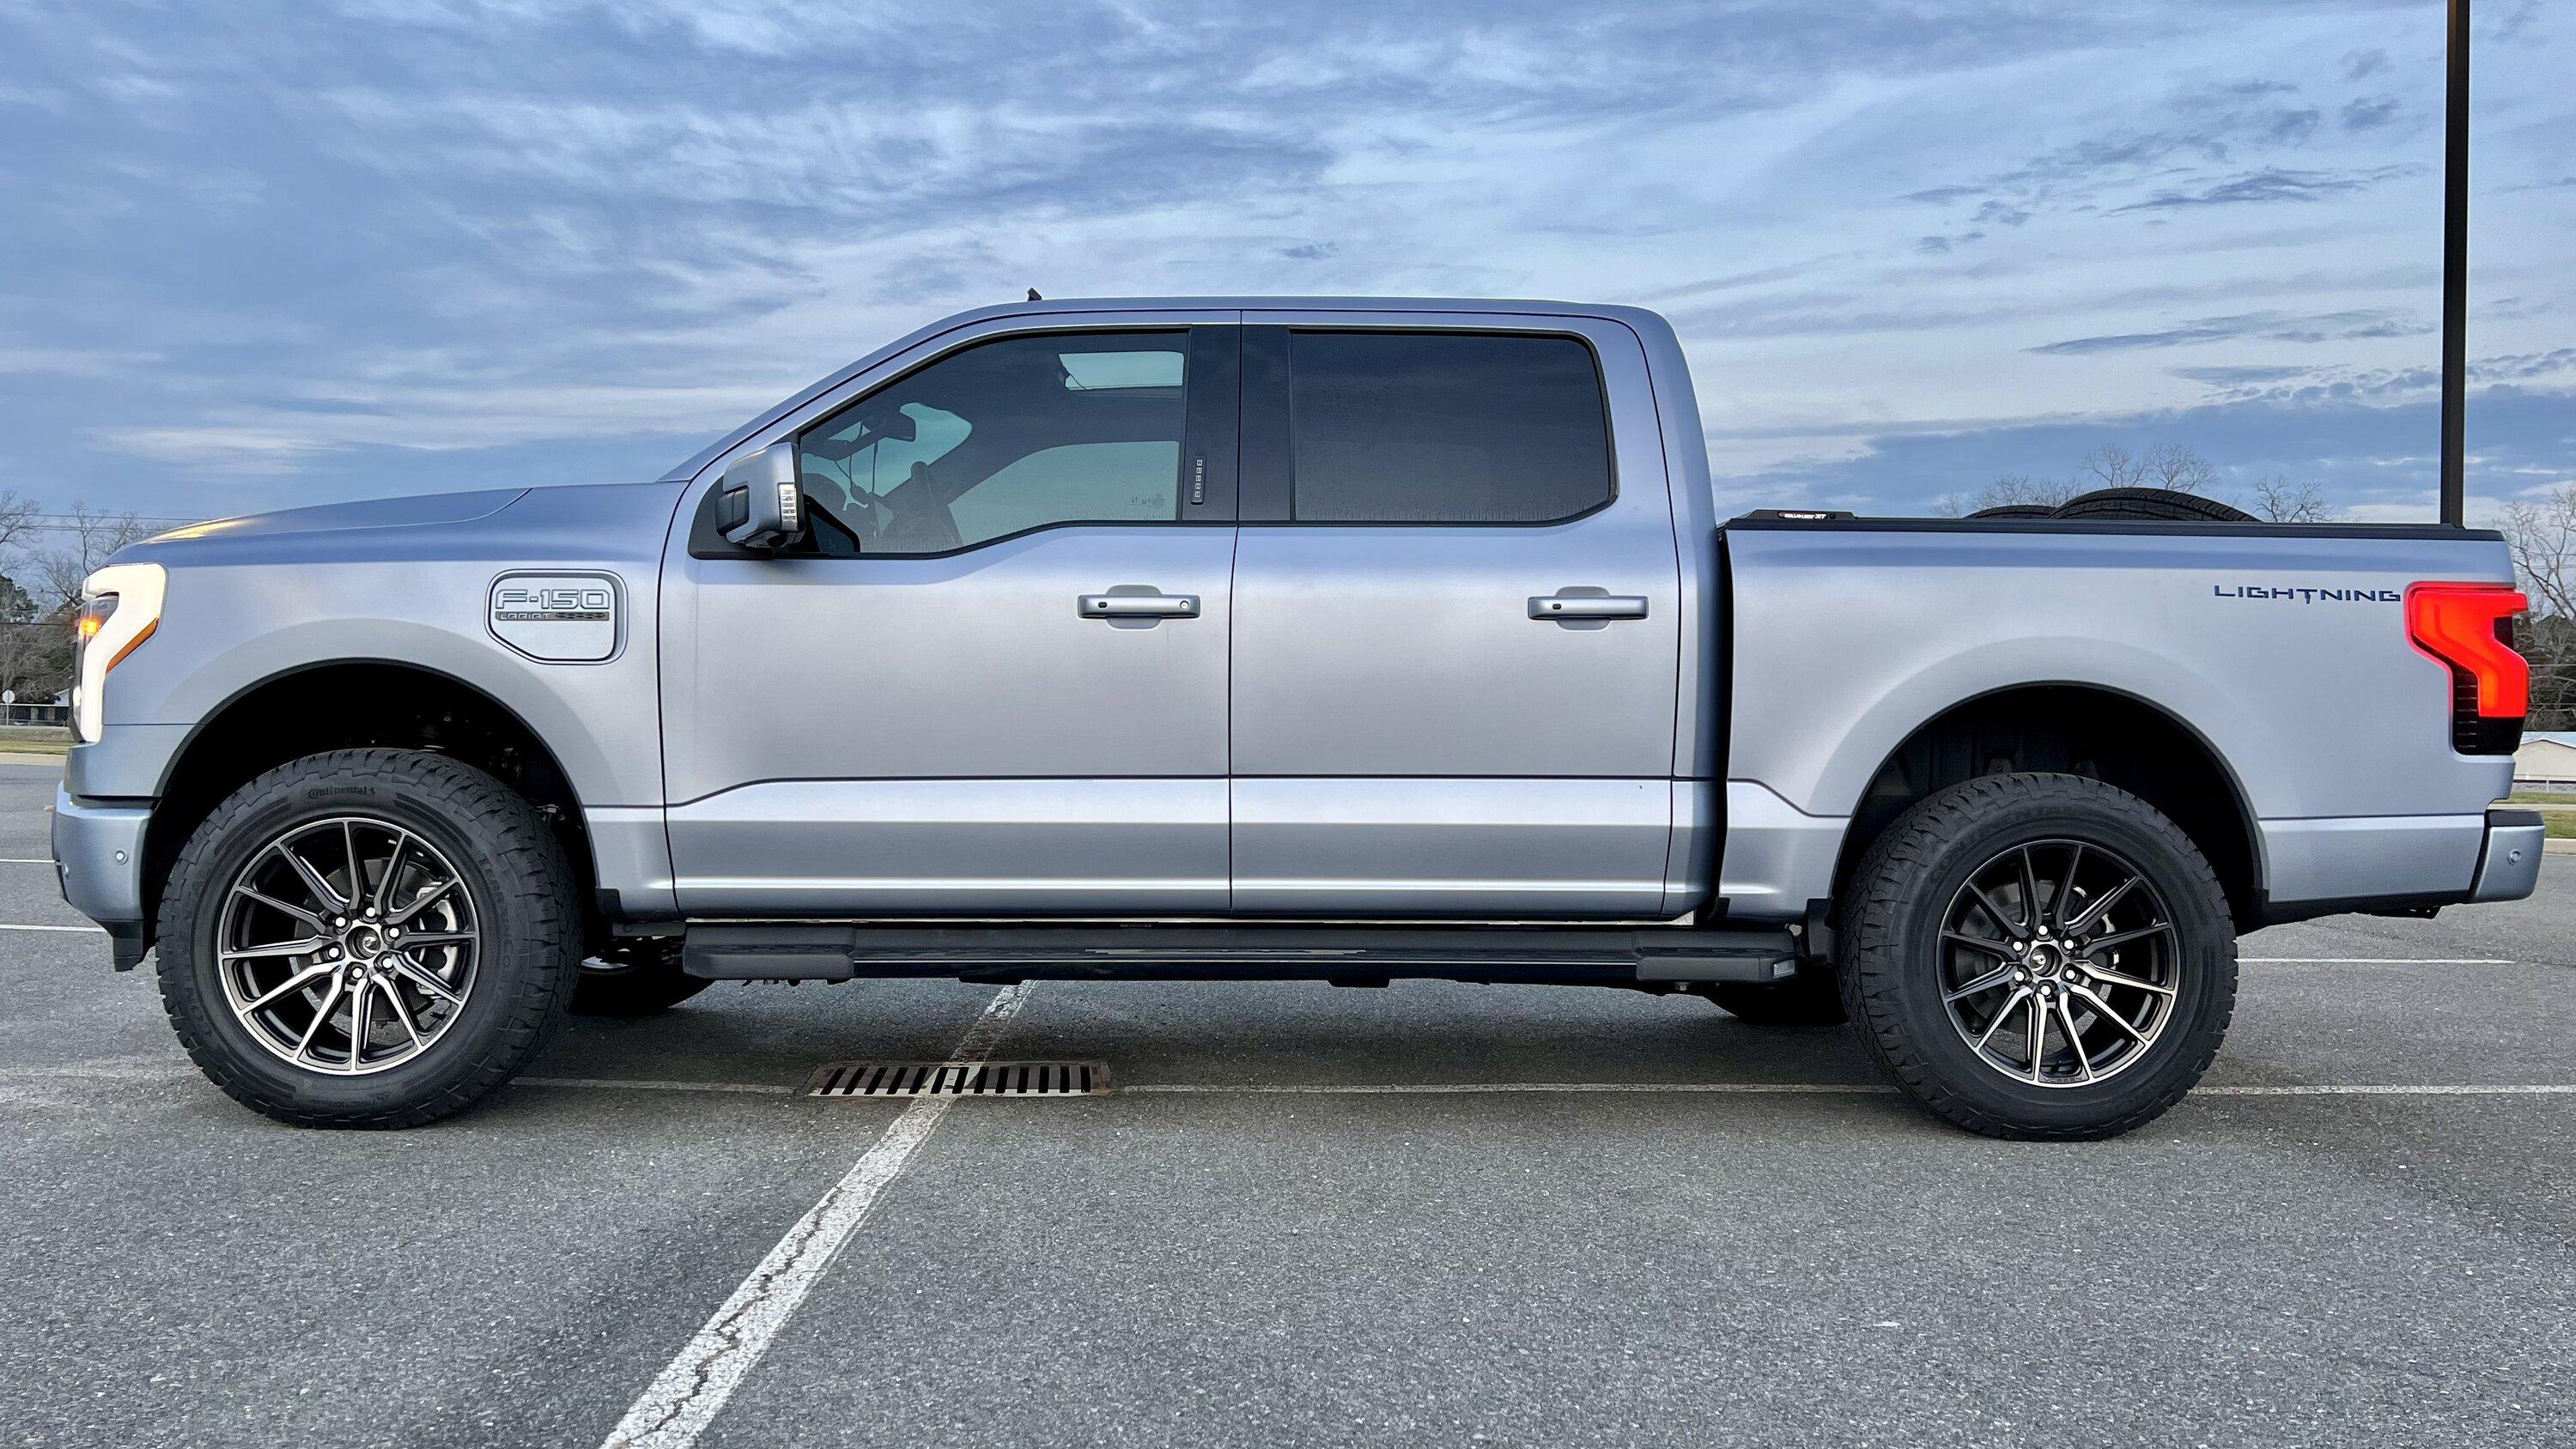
x=995, y=681
x=1455, y=623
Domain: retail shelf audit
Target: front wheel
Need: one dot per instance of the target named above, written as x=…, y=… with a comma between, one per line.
x=2038, y=956
x=367, y=938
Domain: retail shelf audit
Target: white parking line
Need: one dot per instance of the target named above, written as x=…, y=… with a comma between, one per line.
x=93, y=930
x=1373, y=1089
x=679, y=1404
x=1334, y=1089
x=26, y=860
x=2376, y=961
x=637, y=1084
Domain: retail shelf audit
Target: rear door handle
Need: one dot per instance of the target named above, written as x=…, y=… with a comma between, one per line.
x=1140, y=606
x=1587, y=606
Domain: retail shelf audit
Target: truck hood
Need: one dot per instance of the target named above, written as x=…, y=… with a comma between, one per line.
x=410, y=512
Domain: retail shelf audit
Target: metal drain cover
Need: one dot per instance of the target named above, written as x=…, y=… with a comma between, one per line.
x=959, y=1079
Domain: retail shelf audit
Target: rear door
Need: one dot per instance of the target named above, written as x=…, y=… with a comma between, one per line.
x=1456, y=620
x=995, y=683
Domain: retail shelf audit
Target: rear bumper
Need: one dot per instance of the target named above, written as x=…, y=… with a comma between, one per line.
x=98, y=860
x=2405, y=865
x=2509, y=866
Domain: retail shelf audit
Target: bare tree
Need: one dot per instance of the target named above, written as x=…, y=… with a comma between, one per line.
x=2014, y=490
x=2541, y=532
x=2278, y=500
x=2166, y=465
x=86, y=537
x=35, y=654
x=18, y=520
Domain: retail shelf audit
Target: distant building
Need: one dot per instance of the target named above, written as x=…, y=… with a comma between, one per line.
x=2547, y=757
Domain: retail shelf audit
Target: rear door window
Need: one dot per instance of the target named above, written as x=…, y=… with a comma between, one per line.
x=1406, y=427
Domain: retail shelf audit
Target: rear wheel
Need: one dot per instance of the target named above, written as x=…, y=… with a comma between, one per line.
x=367, y=938
x=2038, y=956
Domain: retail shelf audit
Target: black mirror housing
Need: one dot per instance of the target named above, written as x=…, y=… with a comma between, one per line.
x=772, y=511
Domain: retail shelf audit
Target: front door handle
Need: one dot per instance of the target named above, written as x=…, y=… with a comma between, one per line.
x=1587, y=606
x=1140, y=606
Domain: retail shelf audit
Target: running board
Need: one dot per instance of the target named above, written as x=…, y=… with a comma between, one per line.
x=1346, y=955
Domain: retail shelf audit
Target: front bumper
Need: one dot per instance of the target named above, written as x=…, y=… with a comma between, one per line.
x=98, y=859
x=2509, y=866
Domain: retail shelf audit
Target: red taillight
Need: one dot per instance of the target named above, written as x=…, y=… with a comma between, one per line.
x=2469, y=627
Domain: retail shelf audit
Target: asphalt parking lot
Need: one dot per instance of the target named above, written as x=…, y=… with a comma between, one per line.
x=1537, y=1225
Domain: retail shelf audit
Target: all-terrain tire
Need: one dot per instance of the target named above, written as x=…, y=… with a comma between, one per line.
x=509, y=862
x=635, y=978
x=1888, y=949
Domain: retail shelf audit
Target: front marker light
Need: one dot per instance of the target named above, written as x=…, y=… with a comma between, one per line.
x=120, y=607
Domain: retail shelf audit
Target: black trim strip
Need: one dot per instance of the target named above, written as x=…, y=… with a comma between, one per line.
x=1269, y=465
x=2188, y=528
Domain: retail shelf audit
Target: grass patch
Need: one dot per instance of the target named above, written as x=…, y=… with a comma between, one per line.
x=34, y=739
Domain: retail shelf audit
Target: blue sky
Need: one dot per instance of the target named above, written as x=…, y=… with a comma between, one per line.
x=258, y=254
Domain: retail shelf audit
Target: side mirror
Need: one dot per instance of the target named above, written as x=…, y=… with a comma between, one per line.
x=762, y=507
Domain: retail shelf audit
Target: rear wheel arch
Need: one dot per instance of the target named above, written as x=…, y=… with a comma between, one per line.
x=2087, y=730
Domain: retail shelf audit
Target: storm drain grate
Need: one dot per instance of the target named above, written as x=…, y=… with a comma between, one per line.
x=959, y=1079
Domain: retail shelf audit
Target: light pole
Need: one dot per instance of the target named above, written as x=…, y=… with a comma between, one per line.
x=2455, y=267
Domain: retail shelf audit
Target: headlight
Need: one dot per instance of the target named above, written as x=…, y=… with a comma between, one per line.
x=120, y=607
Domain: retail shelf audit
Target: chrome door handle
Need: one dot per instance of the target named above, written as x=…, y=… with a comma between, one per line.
x=1587, y=606
x=1140, y=606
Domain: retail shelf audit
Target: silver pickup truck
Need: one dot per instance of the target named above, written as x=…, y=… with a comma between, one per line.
x=1321, y=639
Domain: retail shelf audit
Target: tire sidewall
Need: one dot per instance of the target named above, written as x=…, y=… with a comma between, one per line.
x=2204, y=961
x=511, y=965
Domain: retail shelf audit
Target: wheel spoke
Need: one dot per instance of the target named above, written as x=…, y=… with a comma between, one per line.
x=357, y=872
x=2101, y=903
x=2074, y=1043
x=2030, y=918
x=2008, y=923
x=274, y=904
x=323, y=895
x=321, y=1014
x=300, y=979
x=1987, y=982
x=393, y=868
x=1997, y=949
x=402, y=1011
x=2066, y=890
x=2038, y=1035
x=420, y=903
x=2118, y=978
x=358, y=1013
x=280, y=948
x=435, y=938
x=2115, y=1018
x=2003, y=1014
x=427, y=981
x=2122, y=938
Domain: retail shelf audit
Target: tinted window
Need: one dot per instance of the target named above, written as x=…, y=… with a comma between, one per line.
x=1391, y=427
x=1000, y=439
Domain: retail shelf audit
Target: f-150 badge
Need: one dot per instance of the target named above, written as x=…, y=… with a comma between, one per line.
x=559, y=618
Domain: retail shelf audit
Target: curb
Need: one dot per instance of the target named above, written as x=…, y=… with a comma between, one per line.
x=15, y=757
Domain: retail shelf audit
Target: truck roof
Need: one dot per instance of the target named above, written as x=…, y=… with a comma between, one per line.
x=1646, y=322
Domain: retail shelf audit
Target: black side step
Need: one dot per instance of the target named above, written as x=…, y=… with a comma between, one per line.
x=1350, y=955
